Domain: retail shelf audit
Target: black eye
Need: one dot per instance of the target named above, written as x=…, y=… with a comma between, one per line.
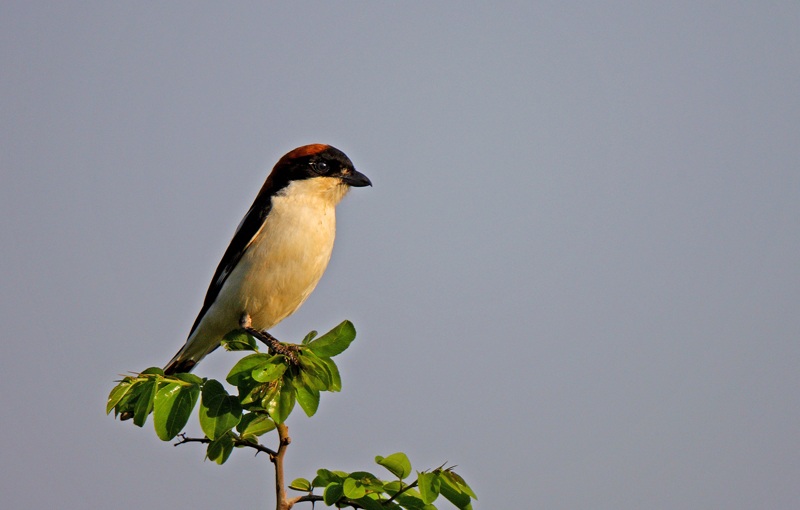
x=320, y=167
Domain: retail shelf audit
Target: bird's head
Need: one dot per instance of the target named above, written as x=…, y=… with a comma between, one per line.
x=327, y=166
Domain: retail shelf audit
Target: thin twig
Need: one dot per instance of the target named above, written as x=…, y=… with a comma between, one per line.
x=407, y=487
x=185, y=439
x=308, y=497
x=313, y=498
x=236, y=442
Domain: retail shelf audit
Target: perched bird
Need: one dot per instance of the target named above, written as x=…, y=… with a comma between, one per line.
x=279, y=251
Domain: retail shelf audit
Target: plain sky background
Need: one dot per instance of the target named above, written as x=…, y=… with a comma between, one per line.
x=577, y=275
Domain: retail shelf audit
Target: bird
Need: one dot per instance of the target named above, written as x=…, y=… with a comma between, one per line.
x=278, y=252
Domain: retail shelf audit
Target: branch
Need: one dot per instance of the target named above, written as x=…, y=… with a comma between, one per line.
x=313, y=498
x=236, y=442
x=308, y=497
x=277, y=460
x=409, y=486
x=274, y=345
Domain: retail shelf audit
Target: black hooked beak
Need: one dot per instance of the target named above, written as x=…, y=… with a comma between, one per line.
x=356, y=179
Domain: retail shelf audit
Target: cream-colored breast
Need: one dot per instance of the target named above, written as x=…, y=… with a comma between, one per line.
x=286, y=259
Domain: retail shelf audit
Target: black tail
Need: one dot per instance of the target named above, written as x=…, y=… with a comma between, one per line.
x=179, y=366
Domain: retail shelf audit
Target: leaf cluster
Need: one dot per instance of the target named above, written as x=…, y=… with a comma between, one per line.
x=269, y=385
x=361, y=489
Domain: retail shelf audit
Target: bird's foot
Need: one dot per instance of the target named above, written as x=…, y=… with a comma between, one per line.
x=244, y=321
x=274, y=345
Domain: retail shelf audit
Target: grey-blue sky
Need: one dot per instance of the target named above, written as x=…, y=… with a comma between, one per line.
x=576, y=276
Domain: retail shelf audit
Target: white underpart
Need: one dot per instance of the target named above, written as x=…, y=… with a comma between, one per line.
x=280, y=267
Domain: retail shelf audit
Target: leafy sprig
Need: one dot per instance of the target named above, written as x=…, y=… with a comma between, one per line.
x=268, y=387
x=361, y=489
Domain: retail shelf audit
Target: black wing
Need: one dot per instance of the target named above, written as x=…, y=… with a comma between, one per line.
x=247, y=230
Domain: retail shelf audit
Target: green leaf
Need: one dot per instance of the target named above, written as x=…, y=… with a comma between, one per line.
x=117, y=393
x=144, y=401
x=397, y=463
x=312, y=365
x=281, y=407
x=323, y=368
x=173, y=405
x=332, y=493
x=364, y=477
x=270, y=371
x=452, y=493
x=429, y=486
x=189, y=378
x=325, y=477
x=454, y=478
x=334, y=341
x=219, y=412
x=300, y=484
x=250, y=395
x=220, y=449
x=411, y=499
x=393, y=486
x=310, y=378
x=353, y=489
x=333, y=373
x=255, y=424
x=239, y=340
x=368, y=503
x=310, y=336
x=243, y=369
x=271, y=394
x=307, y=397
x=153, y=371
x=127, y=404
